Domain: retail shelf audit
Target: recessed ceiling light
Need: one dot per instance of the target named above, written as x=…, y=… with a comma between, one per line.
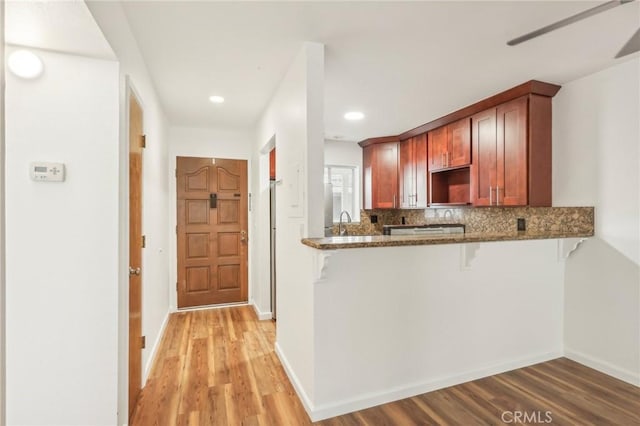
x=354, y=115
x=216, y=99
x=25, y=64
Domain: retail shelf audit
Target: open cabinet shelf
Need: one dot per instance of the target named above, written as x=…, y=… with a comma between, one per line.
x=450, y=187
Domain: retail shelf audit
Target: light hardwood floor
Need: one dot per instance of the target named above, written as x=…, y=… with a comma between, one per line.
x=218, y=367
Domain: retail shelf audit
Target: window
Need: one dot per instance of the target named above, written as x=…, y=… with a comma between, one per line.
x=344, y=182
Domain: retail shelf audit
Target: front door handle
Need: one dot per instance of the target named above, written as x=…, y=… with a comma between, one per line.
x=243, y=235
x=134, y=271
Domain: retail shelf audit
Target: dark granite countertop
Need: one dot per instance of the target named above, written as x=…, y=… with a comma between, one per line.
x=364, y=241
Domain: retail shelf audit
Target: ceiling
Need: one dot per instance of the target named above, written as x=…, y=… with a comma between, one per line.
x=401, y=63
x=62, y=26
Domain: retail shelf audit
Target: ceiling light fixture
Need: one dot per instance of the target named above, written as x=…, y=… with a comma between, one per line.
x=216, y=99
x=25, y=64
x=354, y=115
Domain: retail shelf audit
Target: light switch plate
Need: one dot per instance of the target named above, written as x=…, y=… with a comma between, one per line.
x=47, y=172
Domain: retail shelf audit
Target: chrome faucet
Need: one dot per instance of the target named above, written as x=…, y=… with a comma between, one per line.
x=340, y=230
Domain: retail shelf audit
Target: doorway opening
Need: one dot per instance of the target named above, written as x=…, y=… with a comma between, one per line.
x=272, y=229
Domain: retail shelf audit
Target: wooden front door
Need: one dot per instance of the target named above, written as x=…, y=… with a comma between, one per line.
x=135, y=252
x=212, y=231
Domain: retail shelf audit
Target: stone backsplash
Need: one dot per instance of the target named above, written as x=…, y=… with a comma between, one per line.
x=480, y=219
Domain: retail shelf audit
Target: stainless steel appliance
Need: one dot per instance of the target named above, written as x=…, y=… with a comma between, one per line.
x=328, y=210
x=272, y=218
x=439, y=229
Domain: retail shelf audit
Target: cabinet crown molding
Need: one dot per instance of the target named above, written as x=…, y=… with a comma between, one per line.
x=531, y=87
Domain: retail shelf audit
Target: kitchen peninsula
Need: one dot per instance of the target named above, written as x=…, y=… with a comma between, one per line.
x=399, y=315
x=481, y=225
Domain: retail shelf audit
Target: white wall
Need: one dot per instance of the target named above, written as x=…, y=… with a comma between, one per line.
x=156, y=287
x=596, y=140
x=346, y=153
x=62, y=244
x=196, y=142
x=2, y=242
x=342, y=153
x=295, y=117
x=394, y=322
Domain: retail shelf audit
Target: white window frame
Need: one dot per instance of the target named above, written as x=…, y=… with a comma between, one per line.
x=355, y=217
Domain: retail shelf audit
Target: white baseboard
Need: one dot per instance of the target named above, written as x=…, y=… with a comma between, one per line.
x=306, y=402
x=262, y=316
x=207, y=307
x=337, y=408
x=602, y=366
x=154, y=348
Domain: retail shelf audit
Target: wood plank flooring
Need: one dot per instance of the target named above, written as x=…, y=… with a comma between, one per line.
x=218, y=367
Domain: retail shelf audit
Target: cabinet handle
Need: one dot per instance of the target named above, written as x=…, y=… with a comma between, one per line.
x=497, y=195
x=490, y=195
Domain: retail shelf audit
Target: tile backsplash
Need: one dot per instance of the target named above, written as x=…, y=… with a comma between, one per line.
x=480, y=219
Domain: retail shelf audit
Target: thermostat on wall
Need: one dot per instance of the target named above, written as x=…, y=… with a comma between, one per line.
x=47, y=172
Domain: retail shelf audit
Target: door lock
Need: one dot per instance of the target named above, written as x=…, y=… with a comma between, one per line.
x=134, y=271
x=243, y=235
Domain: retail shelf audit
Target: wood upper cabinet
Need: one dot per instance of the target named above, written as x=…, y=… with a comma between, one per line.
x=495, y=152
x=413, y=172
x=459, y=142
x=512, y=154
x=438, y=146
x=380, y=176
x=511, y=158
x=484, y=167
x=450, y=145
x=272, y=164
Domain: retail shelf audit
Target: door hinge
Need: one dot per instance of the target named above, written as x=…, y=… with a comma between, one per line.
x=176, y=170
x=176, y=286
x=176, y=229
x=144, y=241
x=143, y=141
x=143, y=341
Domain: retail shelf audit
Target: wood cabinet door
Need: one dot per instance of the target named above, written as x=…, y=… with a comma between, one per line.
x=420, y=161
x=272, y=164
x=512, y=173
x=483, y=169
x=367, y=177
x=438, y=148
x=385, y=176
x=406, y=175
x=412, y=176
x=459, y=134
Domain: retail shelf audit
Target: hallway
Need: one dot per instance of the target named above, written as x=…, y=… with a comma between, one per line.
x=218, y=367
